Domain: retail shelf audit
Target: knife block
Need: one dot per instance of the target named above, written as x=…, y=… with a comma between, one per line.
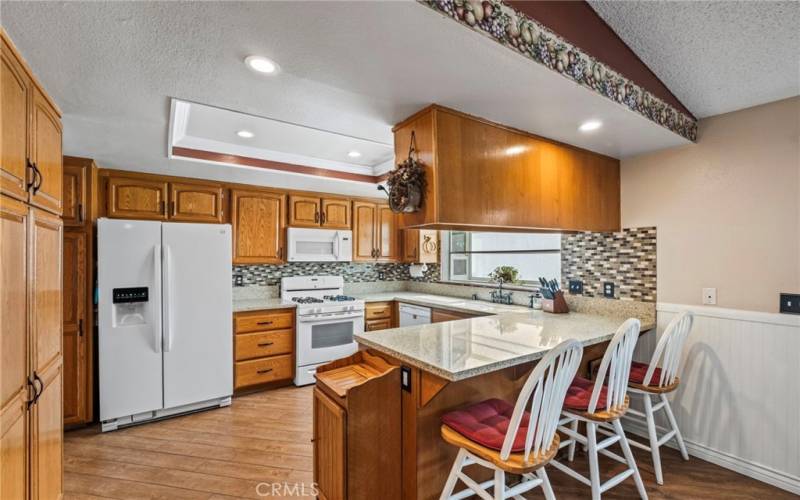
x=556, y=305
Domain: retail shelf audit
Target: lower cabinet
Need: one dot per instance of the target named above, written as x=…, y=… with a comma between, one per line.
x=47, y=443
x=379, y=316
x=357, y=426
x=263, y=347
x=441, y=315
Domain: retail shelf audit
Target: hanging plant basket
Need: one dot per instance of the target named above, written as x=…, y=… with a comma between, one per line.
x=407, y=182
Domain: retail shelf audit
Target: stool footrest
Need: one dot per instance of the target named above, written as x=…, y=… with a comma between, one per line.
x=616, y=480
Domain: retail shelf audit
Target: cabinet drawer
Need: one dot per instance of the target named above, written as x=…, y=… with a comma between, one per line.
x=377, y=324
x=259, y=345
x=260, y=371
x=260, y=321
x=380, y=310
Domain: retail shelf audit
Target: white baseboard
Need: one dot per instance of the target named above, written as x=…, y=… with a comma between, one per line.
x=726, y=460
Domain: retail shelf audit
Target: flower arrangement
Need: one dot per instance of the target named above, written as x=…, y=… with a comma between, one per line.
x=407, y=182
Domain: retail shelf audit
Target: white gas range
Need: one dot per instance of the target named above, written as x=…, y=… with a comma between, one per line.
x=326, y=322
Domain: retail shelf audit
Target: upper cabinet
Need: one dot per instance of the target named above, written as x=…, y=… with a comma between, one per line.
x=481, y=175
x=375, y=233
x=420, y=246
x=196, y=202
x=313, y=211
x=30, y=136
x=74, y=191
x=134, y=198
x=258, y=226
x=152, y=198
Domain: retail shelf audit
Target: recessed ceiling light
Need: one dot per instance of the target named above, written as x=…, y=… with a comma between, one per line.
x=245, y=134
x=353, y=154
x=261, y=64
x=590, y=125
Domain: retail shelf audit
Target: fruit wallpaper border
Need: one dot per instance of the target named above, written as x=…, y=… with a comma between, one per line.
x=526, y=36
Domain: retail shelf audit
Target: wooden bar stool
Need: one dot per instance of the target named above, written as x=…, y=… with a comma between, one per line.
x=601, y=404
x=650, y=380
x=505, y=438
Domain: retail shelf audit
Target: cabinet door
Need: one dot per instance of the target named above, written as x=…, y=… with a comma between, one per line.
x=14, y=125
x=195, y=202
x=74, y=195
x=46, y=154
x=387, y=237
x=364, y=234
x=74, y=343
x=304, y=211
x=377, y=324
x=330, y=445
x=428, y=246
x=130, y=198
x=258, y=227
x=13, y=368
x=410, y=245
x=47, y=438
x=336, y=213
x=46, y=289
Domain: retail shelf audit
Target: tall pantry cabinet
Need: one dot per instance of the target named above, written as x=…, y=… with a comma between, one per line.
x=31, y=232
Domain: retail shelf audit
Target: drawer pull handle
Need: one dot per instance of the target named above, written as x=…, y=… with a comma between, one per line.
x=265, y=344
x=264, y=371
x=264, y=323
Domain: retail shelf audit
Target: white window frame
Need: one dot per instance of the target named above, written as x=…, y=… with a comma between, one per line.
x=447, y=258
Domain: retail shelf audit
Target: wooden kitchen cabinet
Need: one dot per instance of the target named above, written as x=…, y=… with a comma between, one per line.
x=14, y=100
x=313, y=211
x=30, y=136
x=357, y=429
x=375, y=233
x=196, y=202
x=75, y=324
x=441, y=315
x=47, y=443
x=263, y=348
x=420, y=246
x=46, y=153
x=379, y=316
x=258, y=226
x=74, y=195
x=135, y=198
x=485, y=175
x=14, y=249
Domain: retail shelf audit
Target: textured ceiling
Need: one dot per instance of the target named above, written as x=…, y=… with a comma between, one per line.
x=718, y=56
x=353, y=68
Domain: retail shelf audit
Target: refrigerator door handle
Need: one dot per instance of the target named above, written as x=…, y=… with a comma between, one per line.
x=156, y=313
x=167, y=298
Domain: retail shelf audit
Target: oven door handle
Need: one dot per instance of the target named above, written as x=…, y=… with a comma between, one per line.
x=318, y=319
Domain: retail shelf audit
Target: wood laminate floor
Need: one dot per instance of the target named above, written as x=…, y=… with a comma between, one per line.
x=264, y=439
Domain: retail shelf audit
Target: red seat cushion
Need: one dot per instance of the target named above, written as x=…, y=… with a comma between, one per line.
x=639, y=370
x=580, y=392
x=486, y=423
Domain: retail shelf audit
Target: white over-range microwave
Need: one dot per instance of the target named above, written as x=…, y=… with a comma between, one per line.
x=319, y=245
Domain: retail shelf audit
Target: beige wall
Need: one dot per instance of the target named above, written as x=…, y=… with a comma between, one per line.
x=727, y=208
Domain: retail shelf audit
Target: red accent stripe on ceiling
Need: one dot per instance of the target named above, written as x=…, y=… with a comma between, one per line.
x=247, y=161
x=578, y=23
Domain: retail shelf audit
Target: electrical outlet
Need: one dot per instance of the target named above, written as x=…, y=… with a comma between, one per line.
x=710, y=296
x=790, y=303
x=576, y=287
x=608, y=290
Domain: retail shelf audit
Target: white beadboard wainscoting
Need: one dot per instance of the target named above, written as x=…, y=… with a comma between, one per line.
x=738, y=404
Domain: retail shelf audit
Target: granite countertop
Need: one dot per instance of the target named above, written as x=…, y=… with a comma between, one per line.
x=443, y=302
x=460, y=349
x=244, y=305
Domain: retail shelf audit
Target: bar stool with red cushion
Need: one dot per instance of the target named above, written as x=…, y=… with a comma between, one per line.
x=601, y=403
x=651, y=380
x=505, y=438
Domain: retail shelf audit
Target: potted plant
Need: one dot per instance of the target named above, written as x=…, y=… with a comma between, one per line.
x=504, y=274
x=407, y=182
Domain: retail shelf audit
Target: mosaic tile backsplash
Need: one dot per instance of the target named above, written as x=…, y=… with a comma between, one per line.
x=353, y=272
x=626, y=258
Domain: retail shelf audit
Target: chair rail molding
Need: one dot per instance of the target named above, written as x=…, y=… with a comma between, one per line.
x=736, y=371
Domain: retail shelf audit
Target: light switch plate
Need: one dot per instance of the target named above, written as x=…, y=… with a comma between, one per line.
x=710, y=296
x=576, y=287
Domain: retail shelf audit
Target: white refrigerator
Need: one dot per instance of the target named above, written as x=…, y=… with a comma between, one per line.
x=165, y=341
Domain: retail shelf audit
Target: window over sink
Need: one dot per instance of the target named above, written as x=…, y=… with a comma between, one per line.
x=470, y=256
